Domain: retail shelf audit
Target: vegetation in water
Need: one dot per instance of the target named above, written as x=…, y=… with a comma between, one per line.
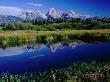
x=77, y=72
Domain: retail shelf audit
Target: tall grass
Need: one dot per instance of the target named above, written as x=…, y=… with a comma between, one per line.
x=26, y=37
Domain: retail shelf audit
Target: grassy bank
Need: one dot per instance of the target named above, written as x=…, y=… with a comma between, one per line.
x=24, y=37
x=77, y=72
x=8, y=34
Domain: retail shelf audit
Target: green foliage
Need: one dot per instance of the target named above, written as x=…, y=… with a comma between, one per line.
x=57, y=25
x=27, y=26
x=49, y=27
x=101, y=25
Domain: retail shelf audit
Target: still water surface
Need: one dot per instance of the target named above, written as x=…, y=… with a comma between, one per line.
x=39, y=57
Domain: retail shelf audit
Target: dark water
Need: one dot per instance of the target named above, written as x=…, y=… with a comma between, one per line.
x=41, y=57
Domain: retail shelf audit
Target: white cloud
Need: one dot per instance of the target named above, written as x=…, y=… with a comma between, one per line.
x=35, y=4
x=4, y=10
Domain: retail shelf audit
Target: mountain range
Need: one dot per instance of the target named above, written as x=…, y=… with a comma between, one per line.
x=50, y=15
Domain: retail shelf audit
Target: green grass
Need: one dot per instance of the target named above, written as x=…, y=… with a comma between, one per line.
x=25, y=37
x=31, y=33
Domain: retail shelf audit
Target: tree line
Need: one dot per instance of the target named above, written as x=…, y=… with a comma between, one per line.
x=57, y=24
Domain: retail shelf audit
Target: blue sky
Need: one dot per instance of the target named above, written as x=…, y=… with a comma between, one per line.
x=84, y=7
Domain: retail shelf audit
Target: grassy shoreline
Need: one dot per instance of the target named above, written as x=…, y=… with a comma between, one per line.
x=32, y=33
x=29, y=36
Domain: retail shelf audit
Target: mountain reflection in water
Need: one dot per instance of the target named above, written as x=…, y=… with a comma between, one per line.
x=36, y=48
x=39, y=57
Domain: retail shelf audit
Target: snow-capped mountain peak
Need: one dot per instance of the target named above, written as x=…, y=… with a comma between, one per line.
x=39, y=14
x=73, y=14
x=52, y=10
x=32, y=14
x=53, y=13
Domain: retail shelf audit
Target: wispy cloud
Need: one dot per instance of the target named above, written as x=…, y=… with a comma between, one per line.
x=35, y=4
x=4, y=10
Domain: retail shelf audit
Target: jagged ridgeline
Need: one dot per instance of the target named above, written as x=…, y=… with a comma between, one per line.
x=52, y=15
